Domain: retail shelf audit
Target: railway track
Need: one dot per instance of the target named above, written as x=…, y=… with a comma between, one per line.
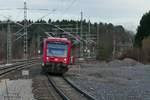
x=67, y=90
x=16, y=60
x=23, y=64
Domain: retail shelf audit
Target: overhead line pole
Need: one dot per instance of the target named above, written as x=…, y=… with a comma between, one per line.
x=89, y=36
x=89, y=29
x=81, y=44
x=98, y=37
x=9, y=43
x=25, y=32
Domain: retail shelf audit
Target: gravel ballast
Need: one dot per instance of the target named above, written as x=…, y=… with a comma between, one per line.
x=115, y=80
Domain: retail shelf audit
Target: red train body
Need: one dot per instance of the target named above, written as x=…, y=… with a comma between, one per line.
x=56, y=55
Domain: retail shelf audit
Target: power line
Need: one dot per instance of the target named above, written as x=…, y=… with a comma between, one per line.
x=67, y=8
x=17, y=15
x=25, y=26
x=28, y=26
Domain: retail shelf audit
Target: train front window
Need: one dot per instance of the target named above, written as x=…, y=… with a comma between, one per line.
x=57, y=49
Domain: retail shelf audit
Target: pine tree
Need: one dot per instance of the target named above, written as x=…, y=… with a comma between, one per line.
x=143, y=30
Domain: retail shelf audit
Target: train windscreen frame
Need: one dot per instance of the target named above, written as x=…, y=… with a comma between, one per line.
x=57, y=49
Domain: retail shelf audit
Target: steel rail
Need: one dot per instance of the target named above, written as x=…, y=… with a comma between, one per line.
x=18, y=60
x=64, y=97
x=16, y=64
x=62, y=94
x=79, y=90
x=14, y=67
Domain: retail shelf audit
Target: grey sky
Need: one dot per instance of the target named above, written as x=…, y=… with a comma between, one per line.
x=125, y=12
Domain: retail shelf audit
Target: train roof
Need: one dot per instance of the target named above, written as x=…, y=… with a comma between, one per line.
x=53, y=39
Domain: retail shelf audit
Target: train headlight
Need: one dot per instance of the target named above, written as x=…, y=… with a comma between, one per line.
x=43, y=64
x=56, y=59
x=65, y=60
x=47, y=58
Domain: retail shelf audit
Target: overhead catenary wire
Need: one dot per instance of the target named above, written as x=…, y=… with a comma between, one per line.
x=69, y=6
x=24, y=27
x=34, y=22
x=18, y=15
x=66, y=8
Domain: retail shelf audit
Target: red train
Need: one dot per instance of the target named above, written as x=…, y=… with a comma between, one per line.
x=56, y=55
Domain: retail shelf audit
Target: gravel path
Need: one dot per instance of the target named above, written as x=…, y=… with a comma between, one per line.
x=116, y=80
x=16, y=90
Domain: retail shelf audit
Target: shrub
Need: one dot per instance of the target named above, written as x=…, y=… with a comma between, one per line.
x=146, y=49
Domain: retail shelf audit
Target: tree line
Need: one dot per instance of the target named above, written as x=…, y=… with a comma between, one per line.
x=107, y=33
